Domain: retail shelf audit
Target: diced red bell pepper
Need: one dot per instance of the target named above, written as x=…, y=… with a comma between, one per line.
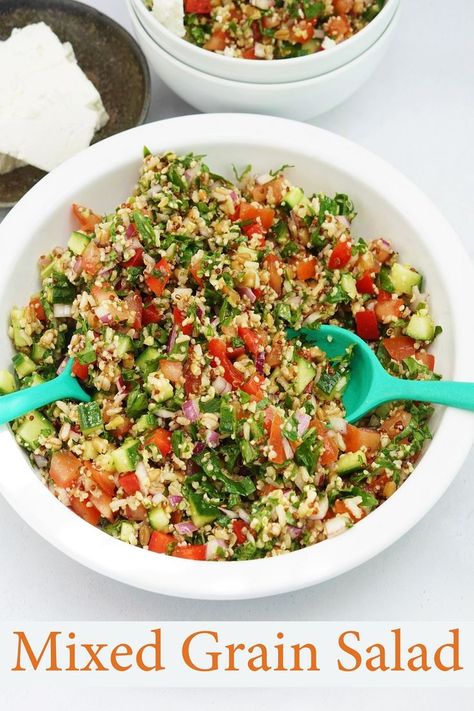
x=160, y=277
x=79, y=370
x=365, y=285
x=190, y=552
x=340, y=255
x=162, y=439
x=151, y=314
x=136, y=260
x=239, y=527
x=195, y=269
x=197, y=7
x=161, y=542
x=253, y=387
x=129, y=483
x=366, y=325
x=251, y=339
x=178, y=318
x=218, y=349
x=38, y=309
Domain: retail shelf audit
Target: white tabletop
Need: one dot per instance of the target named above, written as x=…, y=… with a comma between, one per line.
x=417, y=112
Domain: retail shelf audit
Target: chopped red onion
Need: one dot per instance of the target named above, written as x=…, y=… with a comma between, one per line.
x=221, y=386
x=191, y=410
x=248, y=293
x=103, y=313
x=165, y=414
x=212, y=438
x=311, y=318
x=264, y=179
x=185, y=528
x=260, y=362
x=303, y=422
x=41, y=462
x=228, y=512
x=199, y=447
x=174, y=499
x=344, y=221
x=142, y=476
x=62, y=310
x=77, y=265
x=62, y=365
x=322, y=510
x=121, y=387
x=234, y=196
x=213, y=547
x=294, y=531
x=338, y=424
x=287, y=449
x=131, y=231
x=215, y=322
x=172, y=338
x=244, y=515
x=199, y=313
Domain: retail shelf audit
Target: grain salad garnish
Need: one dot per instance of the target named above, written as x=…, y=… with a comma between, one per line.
x=209, y=434
x=266, y=29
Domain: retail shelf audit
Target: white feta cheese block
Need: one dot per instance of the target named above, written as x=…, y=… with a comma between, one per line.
x=171, y=15
x=49, y=110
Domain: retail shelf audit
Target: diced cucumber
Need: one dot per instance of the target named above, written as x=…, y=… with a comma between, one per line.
x=149, y=356
x=124, y=345
x=49, y=270
x=33, y=426
x=37, y=352
x=32, y=380
x=158, y=518
x=126, y=457
x=202, y=512
x=105, y=461
x=349, y=285
x=293, y=197
x=281, y=232
x=311, y=46
x=163, y=391
x=78, y=242
x=23, y=365
x=127, y=532
x=180, y=348
x=421, y=327
x=351, y=462
x=88, y=450
x=20, y=338
x=63, y=293
x=404, y=278
x=145, y=423
x=305, y=374
x=7, y=382
x=90, y=418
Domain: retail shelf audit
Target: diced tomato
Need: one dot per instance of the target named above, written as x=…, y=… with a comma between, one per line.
x=340, y=255
x=357, y=437
x=342, y=7
x=273, y=358
x=254, y=229
x=365, y=285
x=267, y=489
x=198, y=7
x=162, y=439
x=79, y=370
x=217, y=41
x=218, y=349
x=103, y=479
x=86, y=218
x=234, y=353
x=383, y=296
x=272, y=264
x=171, y=369
x=264, y=215
x=129, y=483
x=239, y=527
x=161, y=542
x=65, y=468
x=91, y=259
x=195, y=268
x=301, y=32
x=366, y=325
x=396, y=423
x=339, y=507
x=387, y=310
x=136, y=260
x=38, y=309
x=253, y=387
x=381, y=250
x=86, y=510
x=427, y=359
x=190, y=552
x=251, y=339
x=249, y=54
x=133, y=304
x=376, y=486
x=136, y=514
x=306, y=268
x=101, y=501
x=192, y=382
x=178, y=318
x=399, y=347
x=275, y=439
x=101, y=294
x=330, y=451
x=338, y=27
x=160, y=277
x=151, y=314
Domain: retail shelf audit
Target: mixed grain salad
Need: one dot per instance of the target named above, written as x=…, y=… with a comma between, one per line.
x=210, y=435
x=270, y=29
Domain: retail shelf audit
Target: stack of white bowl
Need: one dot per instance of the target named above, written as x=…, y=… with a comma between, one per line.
x=298, y=87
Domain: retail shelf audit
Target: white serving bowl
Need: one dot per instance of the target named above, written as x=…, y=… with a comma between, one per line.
x=388, y=205
x=266, y=72
x=298, y=100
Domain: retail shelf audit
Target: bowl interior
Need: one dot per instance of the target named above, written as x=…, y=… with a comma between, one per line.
x=387, y=207
x=105, y=52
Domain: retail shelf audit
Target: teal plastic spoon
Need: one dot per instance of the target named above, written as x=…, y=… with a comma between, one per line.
x=65, y=386
x=370, y=385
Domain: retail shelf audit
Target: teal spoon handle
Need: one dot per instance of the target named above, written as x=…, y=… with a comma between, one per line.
x=459, y=395
x=23, y=401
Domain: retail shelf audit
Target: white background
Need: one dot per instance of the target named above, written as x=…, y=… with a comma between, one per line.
x=417, y=112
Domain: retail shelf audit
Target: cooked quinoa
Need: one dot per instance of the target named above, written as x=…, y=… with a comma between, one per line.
x=274, y=29
x=210, y=435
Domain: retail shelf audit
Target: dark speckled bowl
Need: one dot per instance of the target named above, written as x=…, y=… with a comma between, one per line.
x=106, y=53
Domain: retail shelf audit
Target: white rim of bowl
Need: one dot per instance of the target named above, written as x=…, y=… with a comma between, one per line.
x=262, y=87
x=256, y=62
x=269, y=576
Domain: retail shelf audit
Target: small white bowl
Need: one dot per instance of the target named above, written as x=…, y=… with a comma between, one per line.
x=387, y=204
x=298, y=100
x=265, y=72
